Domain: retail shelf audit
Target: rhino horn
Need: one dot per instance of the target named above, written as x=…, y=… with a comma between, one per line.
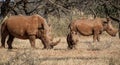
x=55, y=43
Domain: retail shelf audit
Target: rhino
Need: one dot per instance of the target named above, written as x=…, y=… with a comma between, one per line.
x=27, y=27
x=87, y=27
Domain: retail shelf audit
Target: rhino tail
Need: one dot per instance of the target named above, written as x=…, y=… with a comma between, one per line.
x=3, y=28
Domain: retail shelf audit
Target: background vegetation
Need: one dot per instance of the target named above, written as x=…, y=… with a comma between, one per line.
x=62, y=12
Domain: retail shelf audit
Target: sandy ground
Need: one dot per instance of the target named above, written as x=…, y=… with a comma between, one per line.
x=105, y=52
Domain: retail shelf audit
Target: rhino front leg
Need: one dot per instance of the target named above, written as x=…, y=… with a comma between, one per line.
x=32, y=40
x=3, y=38
x=96, y=36
x=69, y=41
x=43, y=42
x=72, y=40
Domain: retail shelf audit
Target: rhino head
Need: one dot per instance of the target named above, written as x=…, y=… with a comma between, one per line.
x=47, y=38
x=107, y=26
x=44, y=33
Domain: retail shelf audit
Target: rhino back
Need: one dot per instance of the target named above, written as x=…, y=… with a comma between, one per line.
x=21, y=26
x=87, y=26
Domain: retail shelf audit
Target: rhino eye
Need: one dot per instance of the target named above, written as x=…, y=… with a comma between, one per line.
x=105, y=22
x=39, y=28
x=110, y=29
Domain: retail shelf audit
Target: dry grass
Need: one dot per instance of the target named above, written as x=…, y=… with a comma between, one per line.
x=59, y=26
x=105, y=52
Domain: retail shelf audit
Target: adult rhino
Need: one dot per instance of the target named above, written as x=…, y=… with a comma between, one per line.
x=87, y=27
x=27, y=27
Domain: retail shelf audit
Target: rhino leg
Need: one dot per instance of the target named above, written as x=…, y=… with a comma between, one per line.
x=9, y=42
x=96, y=36
x=71, y=45
x=32, y=40
x=43, y=42
x=3, y=37
x=69, y=42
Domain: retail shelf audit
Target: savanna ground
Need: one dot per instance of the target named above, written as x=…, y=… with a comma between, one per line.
x=105, y=52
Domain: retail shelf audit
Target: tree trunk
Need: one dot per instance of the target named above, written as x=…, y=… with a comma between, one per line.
x=5, y=8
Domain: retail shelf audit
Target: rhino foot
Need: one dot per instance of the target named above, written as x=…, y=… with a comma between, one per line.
x=71, y=47
x=2, y=46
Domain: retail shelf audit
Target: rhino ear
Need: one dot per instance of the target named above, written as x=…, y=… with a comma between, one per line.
x=43, y=26
x=105, y=20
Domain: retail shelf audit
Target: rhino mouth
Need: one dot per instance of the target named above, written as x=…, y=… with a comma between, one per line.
x=113, y=33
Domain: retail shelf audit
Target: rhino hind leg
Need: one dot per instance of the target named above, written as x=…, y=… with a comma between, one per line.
x=9, y=41
x=3, y=38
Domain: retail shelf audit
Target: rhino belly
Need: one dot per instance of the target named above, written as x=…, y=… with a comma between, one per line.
x=18, y=33
x=85, y=31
